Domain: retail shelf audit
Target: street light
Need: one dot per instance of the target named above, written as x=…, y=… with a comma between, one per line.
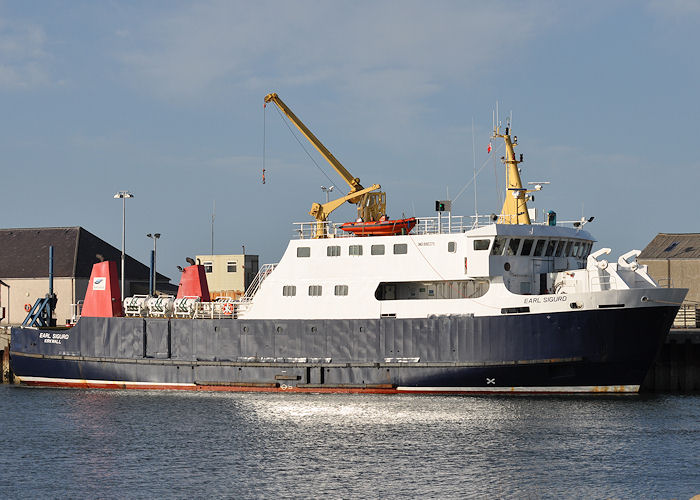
x=155, y=237
x=327, y=190
x=123, y=195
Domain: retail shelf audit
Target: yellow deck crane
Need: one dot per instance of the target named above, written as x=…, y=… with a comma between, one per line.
x=371, y=204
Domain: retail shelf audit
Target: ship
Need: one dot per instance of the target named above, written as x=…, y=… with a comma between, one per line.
x=446, y=304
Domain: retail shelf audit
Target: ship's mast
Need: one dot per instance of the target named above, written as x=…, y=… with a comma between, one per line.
x=514, y=209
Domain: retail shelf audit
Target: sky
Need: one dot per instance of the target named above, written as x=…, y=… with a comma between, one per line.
x=164, y=99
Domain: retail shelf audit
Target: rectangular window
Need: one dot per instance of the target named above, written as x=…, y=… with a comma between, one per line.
x=355, y=250
x=341, y=290
x=499, y=245
x=482, y=244
x=303, y=251
x=513, y=246
x=400, y=248
x=231, y=267
x=539, y=246
x=289, y=290
x=377, y=250
x=451, y=246
x=412, y=290
x=315, y=290
x=527, y=247
x=333, y=251
x=208, y=266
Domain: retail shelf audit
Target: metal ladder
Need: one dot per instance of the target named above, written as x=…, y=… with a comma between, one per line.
x=264, y=271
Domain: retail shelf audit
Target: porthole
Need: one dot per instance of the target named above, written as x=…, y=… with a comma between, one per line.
x=506, y=266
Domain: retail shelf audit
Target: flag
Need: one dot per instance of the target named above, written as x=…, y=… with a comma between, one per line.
x=488, y=150
x=263, y=176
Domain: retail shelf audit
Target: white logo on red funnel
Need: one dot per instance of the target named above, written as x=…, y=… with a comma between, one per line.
x=99, y=283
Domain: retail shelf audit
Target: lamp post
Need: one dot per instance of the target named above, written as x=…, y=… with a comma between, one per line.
x=123, y=195
x=327, y=190
x=155, y=237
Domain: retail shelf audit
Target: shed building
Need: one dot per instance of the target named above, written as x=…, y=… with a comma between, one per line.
x=24, y=269
x=229, y=275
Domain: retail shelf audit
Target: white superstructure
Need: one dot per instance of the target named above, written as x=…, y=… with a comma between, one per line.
x=490, y=270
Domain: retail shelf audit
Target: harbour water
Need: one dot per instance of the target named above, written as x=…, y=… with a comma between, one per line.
x=125, y=444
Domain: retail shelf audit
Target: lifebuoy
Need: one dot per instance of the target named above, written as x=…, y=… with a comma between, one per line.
x=228, y=308
x=27, y=307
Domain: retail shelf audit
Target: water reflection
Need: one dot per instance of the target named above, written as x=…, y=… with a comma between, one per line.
x=124, y=443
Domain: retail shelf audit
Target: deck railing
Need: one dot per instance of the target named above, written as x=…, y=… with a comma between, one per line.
x=444, y=224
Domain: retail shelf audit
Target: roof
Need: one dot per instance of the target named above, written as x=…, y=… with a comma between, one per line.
x=673, y=246
x=24, y=253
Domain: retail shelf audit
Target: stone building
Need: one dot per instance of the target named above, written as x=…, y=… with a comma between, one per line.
x=674, y=261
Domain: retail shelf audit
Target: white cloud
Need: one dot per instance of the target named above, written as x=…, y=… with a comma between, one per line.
x=23, y=58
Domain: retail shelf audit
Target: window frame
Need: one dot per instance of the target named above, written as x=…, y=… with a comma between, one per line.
x=378, y=248
x=400, y=246
x=355, y=250
x=479, y=242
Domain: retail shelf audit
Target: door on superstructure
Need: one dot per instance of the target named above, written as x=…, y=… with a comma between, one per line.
x=540, y=268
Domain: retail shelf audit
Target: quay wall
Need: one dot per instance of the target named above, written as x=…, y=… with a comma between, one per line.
x=677, y=368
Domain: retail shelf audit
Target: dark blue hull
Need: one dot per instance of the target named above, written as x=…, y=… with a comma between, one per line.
x=578, y=351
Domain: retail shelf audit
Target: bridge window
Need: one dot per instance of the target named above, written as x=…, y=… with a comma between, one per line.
x=513, y=246
x=560, y=248
x=551, y=244
x=355, y=250
x=289, y=291
x=527, y=247
x=539, y=247
x=577, y=247
x=499, y=245
x=377, y=250
x=333, y=251
x=303, y=251
x=567, y=252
